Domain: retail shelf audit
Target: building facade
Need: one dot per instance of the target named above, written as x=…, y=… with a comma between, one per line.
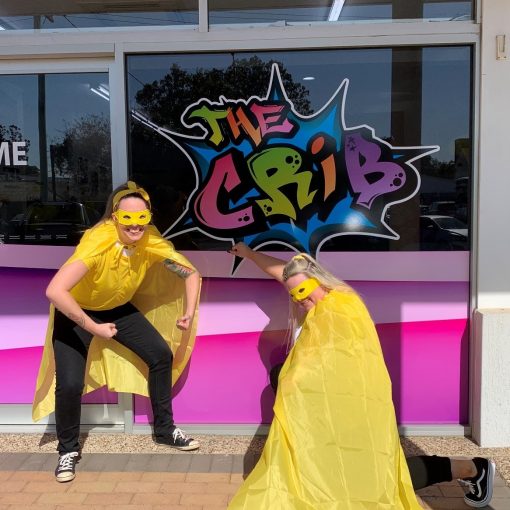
x=368, y=133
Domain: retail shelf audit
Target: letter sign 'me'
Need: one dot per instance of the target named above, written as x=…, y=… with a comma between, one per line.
x=18, y=151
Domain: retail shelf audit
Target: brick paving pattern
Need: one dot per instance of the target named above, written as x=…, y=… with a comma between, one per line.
x=108, y=481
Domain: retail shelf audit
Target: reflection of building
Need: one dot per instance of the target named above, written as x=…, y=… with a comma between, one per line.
x=87, y=109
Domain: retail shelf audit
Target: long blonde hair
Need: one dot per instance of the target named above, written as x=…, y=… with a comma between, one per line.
x=307, y=265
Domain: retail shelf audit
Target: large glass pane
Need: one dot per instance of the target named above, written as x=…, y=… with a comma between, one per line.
x=338, y=149
x=281, y=11
x=79, y=14
x=55, y=156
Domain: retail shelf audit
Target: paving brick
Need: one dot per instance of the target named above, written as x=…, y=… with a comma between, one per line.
x=221, y=464
x=178, y=507
x=237, y=478
x=180, y=463
x=183, y=488
x=137, y=487
x=11, y=486
x=158, y=463
x=157, y=498
x=205, y=500
x=164, y=481
x=208, y=477
x=29, y=507
x=200, y=464
x=137, y=462
x=62, y=498
x=44, y=486
x=163, y=477
x=91, y=487
x=221, y=488
x=18, y=498
x=12, y=461
x=108, y=499
x=119, y=477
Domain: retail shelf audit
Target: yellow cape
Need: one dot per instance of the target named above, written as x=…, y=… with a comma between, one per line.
x=160, y=298
x=333, y=443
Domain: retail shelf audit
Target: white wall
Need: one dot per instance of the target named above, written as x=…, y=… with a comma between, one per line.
x=493, y=246
x=490, y=349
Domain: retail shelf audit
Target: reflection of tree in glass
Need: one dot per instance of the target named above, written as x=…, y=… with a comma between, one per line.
x=81, y=159
x=437, y=168
x=12, y=133
x=164, y=101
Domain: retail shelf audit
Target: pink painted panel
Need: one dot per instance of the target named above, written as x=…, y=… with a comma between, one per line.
x=18, y=375
x=423, y=328
x=227, y=380
x=234, y=306
x=427, y=362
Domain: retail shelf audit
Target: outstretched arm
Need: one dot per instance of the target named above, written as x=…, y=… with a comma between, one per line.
x=270, y=265
x=58, y=292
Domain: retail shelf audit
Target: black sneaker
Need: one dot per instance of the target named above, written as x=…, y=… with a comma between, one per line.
x=177, y=439
x=65, y=467
x=480, y=486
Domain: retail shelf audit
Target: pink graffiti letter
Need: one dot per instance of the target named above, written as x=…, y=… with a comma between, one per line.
x=223, y=175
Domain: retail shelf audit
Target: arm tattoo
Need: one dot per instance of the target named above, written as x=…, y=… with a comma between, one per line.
x=79, y=319
x=178, y=269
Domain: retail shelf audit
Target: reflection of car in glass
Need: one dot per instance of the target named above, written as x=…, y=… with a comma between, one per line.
x=443, y=232
x=447, y=207
x=54, y=223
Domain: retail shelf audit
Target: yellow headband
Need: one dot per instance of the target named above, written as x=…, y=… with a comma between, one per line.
x=131, y=189
x=304, y=289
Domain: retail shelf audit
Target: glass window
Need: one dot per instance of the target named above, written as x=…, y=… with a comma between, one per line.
x=225, y=12
x=55, y=156
x=75, y=15
x=344, y=150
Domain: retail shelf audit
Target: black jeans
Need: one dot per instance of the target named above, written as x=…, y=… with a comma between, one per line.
x=71, y=344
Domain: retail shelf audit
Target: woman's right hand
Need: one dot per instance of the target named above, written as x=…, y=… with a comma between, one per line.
x=241, y=250
x=105, y=330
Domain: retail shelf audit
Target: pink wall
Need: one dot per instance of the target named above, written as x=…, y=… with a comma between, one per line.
x=423, y=328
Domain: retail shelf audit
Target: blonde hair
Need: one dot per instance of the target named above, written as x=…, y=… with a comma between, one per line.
x=307, y=265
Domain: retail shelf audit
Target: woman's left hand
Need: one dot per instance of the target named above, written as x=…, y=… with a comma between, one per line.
x=184, y=322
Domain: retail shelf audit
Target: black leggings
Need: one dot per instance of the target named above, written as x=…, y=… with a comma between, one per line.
x=71, y=344
x=425, y=470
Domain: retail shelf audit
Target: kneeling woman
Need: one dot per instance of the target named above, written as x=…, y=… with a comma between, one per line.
x=122, y=315
x=333, y=442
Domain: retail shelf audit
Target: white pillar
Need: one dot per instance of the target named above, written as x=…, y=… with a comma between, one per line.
x=491, y=377
x=490, y=359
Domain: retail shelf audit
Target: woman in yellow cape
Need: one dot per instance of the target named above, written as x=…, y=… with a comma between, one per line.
x=123, y=314
x=333, y=443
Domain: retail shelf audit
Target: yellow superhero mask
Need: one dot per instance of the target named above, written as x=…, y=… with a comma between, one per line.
x=304, y=289
x=133, y=218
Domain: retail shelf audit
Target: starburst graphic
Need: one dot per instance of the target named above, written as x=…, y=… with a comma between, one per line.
x=266, y=174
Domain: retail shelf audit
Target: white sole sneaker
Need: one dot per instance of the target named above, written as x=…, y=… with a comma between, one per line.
x=65, y=477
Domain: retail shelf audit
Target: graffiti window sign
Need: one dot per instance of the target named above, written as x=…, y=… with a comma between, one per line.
x=266, y=174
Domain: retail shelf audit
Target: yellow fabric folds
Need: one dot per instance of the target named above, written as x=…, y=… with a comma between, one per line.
x=333, y=442
x=157, y=292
